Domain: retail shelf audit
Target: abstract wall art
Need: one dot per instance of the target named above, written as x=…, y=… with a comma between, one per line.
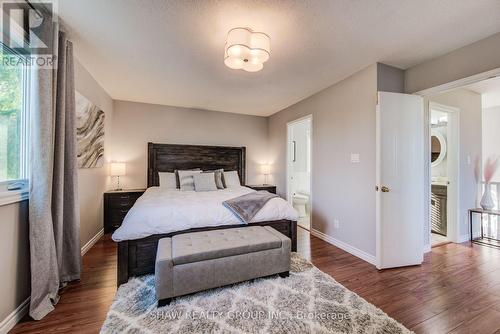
x=90, y=133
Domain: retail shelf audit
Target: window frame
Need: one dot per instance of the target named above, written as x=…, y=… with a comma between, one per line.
x=13, y=196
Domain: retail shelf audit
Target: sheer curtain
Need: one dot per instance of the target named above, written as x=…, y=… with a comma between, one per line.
x=53, y=204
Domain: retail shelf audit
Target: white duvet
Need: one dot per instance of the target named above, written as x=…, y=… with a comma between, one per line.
x=163, y=211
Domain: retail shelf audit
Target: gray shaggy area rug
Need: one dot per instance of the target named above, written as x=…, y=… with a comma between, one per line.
x=308, y=301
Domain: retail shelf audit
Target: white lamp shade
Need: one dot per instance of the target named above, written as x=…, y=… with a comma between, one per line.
x=246, y=49
x=260, y=41
x=252, y=66
x=266, y=169
x=117, y=169
x=234, y=63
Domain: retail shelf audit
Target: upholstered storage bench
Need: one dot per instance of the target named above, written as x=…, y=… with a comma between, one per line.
x=193, y=262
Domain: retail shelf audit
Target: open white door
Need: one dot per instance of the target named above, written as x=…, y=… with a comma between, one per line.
x=400, y=180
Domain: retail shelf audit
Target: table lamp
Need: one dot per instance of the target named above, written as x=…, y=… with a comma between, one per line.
x=117, y=169
x=266, y=170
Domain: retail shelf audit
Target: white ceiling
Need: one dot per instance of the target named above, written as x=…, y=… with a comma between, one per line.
x=489, y=90
x=171, y=52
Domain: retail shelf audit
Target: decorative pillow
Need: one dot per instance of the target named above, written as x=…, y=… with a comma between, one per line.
x=178, y=183
x=186, y=180
x=218, y=177
x=167, y=180
x=204, y=182
x=231, y=179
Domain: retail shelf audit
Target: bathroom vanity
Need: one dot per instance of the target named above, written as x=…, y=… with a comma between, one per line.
x=439, y=193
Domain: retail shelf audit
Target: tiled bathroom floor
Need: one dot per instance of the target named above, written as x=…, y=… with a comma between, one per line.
x=437, y=239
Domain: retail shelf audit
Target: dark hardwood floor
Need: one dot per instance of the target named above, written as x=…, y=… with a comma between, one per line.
x=456, y=290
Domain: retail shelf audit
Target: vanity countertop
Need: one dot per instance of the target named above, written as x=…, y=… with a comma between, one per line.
x=440, y=183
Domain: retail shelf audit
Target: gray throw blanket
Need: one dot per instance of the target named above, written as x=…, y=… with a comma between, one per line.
x=245, y=207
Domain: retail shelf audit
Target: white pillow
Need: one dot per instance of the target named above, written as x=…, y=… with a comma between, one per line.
x=186, y=180
x=204, y=182
x=167, y=180
x=232, y=179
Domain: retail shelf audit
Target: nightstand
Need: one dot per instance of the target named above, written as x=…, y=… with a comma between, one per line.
x=268, y=187
x=116, y=205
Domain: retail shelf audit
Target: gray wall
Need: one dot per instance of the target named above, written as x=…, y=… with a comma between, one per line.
x=92, y=182
x=136, y=124
x=343, y=123
x=390, y=79
x=472, y=59
x=14, y=257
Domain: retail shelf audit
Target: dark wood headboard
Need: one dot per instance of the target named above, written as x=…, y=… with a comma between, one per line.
x=169, y=157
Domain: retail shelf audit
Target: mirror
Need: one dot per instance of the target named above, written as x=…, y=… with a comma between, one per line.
x=438, y=148
x=435, y=148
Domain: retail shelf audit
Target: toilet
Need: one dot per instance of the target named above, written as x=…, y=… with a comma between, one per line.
x=300, y=200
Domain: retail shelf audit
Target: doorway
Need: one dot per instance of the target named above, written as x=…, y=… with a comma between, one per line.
x=299, y=148
x=465, y=178
x=444, y=172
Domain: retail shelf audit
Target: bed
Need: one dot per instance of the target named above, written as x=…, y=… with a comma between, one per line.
x=137, y=252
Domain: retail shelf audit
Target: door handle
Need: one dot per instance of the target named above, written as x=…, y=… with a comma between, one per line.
x=385, y=189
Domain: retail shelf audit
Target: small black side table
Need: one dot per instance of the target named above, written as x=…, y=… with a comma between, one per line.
x=268, y=187
x=483, y=240
x=116, y=205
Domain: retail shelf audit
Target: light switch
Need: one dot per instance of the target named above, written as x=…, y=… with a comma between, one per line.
x=336, y=223
x=355, y=158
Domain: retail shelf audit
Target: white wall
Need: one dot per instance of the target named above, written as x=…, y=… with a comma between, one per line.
x=136, y=124
x=343, y=123
x=93, y=182
x=469, y=105
x=491, y=135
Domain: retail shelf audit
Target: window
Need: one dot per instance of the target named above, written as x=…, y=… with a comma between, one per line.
x=13, y=119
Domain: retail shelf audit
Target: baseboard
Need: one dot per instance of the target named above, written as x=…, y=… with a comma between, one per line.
x=427, y=248
x=14, y=317
x=346, y=247
x=92, y=242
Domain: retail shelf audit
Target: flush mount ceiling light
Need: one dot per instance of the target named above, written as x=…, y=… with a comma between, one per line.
x=246, y=49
